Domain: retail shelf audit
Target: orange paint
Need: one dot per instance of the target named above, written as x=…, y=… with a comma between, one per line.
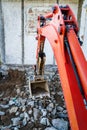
x=63, y=25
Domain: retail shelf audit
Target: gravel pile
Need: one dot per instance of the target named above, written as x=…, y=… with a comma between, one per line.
x=18, y=111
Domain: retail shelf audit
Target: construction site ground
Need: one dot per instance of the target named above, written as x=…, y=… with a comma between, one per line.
x=18, y=111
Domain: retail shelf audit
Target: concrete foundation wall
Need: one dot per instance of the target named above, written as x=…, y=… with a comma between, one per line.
x=19, y=36
x=2, y=42
x=69, y=1
x=12, y=29
x=83, y=28
x=31, y=11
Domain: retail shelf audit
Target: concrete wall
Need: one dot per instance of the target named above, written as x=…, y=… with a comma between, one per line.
x=31, y=11
x=2, y=42
x=12, y=29
x=19, y=33
x=83, y=28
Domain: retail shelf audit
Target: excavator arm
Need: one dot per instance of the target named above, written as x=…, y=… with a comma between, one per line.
x=62, y=33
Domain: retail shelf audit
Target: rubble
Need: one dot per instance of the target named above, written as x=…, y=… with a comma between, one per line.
x=50, y=128
x=2, y=113
x=45, y=121
x=13, y=110
x=60, y=124
x=18, y=111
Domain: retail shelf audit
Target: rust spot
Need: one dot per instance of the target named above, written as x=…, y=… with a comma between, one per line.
x=56, y=41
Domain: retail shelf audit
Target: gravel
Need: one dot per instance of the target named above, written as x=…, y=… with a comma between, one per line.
x=18, y=111
x=60, y=124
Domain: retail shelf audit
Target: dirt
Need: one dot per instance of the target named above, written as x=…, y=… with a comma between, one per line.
x=6, y=119
x=10, y=82
x=8, y=85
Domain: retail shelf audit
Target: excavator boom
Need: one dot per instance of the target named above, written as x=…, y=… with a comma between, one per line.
x=62, y=33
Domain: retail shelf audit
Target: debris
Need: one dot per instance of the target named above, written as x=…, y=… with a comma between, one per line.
x=13, y=110
x=15, y=121
x=50, y=128
x=30, y=112
x=36, y=113
x=4, y=106
x=19, y=111
x=24, y=121
x=11, y=102
x=2, y=113
x=59, y=108
x=31, y=103
x=44, y=112
x=26, y=116
x=45, y=121
x=50, y=107
x=60, y=124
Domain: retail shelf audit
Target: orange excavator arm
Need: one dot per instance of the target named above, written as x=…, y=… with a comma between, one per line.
x=62, y=33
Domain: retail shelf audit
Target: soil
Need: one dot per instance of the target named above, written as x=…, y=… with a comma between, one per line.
x=8, y=85
x=10, y=82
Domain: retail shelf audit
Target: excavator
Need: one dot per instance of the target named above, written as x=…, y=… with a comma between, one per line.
x=61, y=29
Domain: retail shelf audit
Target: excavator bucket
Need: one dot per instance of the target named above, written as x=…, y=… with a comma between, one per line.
x=38, y=88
